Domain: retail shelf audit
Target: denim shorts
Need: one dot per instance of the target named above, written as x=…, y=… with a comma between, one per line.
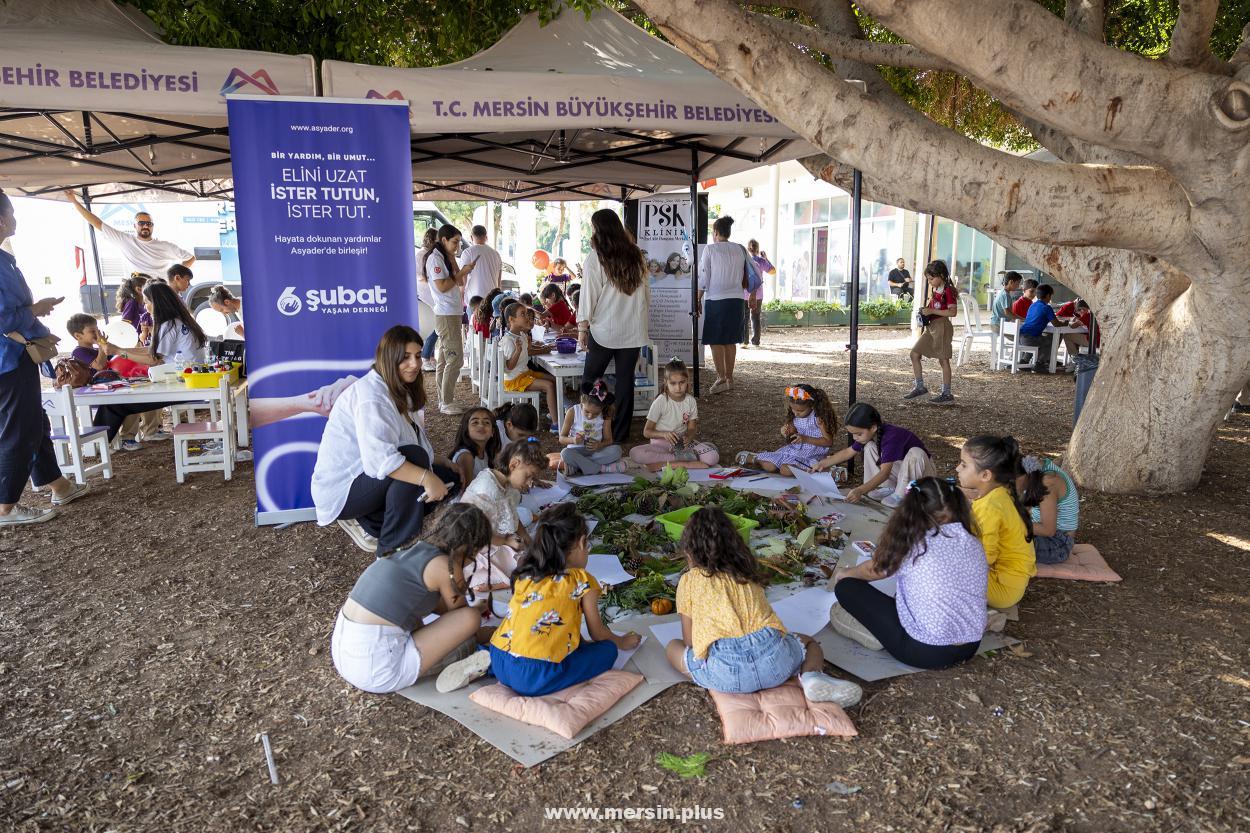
x=745, y=664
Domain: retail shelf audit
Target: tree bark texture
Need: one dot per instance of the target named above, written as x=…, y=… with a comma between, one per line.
x=1146, y=215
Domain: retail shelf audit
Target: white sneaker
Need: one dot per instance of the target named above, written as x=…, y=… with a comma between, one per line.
x=881, y=492
x=850, y=627
x=21, y=514
x=158, y=436
x=358, y=535
x=451, y=410
x=819, y=687
x=242, y=455
x=891, y=500
x=76, y=491
x=459, y=674
x=719, y=386
x=744, y=458
x=130, y=445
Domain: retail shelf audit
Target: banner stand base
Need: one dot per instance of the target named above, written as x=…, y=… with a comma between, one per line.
x=285, y=516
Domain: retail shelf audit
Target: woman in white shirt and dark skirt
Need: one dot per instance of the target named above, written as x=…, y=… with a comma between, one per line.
x=376, y=473
x=722, y=277
x=614, y=311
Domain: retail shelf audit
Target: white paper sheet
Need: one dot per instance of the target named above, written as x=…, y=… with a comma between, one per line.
x=818, y=484
x=536, y=500
x=623, y=657
x=888, y=586
x=615, y=479
x=761, y=482
x=805, y=612
x=666, y=632
x=607, y=568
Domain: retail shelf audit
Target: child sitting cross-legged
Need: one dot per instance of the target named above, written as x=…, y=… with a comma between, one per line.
x=538, y=648
x=477, y=443
x=497, y=492
x=1054, y=508
x=938, y=615
x=586, y=433
x=673, y=427
x=893, y=456
x=809, y=428
x=732, y=641
x=987, y=472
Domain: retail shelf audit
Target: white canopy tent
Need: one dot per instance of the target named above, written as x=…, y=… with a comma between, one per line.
x=90, y=96
x=582, y=108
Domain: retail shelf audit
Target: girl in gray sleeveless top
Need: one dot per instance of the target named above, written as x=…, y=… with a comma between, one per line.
x=380, y=643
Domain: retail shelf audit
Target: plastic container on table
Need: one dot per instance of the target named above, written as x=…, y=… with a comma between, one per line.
x=212, y=379
x=675, y=522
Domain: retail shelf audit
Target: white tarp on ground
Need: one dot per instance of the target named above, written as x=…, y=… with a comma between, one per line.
x=607, y=84
x=62, y=60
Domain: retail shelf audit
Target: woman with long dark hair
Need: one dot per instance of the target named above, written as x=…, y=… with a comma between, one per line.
x=130, y=299
x=376, y=473
x=25, y=435
x=613, y=311
x=447, y=290
x=174, y=331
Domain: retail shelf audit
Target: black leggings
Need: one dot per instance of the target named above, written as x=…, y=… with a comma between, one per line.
x=597, y=358
x=389, y=509
x=879, y=614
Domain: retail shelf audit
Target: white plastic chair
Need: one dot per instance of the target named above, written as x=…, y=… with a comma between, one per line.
x=498, y=395
x=73, y=443
x=1019, y=351
x=1002, y=355
x=972, y=331
x=475, y=360
x=221, y=429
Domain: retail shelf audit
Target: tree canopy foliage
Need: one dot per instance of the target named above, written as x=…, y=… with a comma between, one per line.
x=429, y=32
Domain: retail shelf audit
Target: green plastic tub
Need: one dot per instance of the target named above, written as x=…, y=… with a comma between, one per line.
x=675, y=522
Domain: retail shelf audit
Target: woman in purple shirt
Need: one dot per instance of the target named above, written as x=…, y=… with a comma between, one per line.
x=893, y=456
x=938, y=614
x=755, y=300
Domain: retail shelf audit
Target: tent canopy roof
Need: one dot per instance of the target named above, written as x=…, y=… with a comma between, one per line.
x=584, y=107
x=90, y=95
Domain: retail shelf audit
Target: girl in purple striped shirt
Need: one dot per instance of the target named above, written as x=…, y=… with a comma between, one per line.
x=938, y=614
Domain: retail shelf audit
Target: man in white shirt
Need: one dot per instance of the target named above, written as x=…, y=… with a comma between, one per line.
x=488, y=273
x=143, y=251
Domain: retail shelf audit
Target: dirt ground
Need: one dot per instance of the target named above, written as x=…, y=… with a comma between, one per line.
x=150, y=634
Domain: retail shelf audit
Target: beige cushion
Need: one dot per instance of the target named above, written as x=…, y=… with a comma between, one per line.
x=564, y=712
x=1084, y=564
x=781, y=712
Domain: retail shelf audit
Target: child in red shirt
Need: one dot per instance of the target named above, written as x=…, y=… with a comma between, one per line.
x=557, y=314
x=1020, y=309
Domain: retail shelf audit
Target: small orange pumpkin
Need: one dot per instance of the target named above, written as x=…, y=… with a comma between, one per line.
x=661, y=606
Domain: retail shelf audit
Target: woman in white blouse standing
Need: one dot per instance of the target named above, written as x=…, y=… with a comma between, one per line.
x=722, y=278
x=376, y=474
x=614, y=310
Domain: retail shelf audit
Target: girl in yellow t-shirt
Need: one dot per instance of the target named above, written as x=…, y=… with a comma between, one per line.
x=987, y=472
x=732, y=641
x=538, y=647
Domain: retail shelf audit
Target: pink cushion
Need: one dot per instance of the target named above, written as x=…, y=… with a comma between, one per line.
x=565, y=712
x=1084, y=564
x=781, y=712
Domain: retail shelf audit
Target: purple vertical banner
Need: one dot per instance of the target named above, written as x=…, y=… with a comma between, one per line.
x=323, y=202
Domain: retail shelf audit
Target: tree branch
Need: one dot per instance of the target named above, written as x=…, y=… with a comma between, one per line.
x=1087, y=17
x=1123, y=207
x=1191, y=37
x=1037, y=66
x=866, y=52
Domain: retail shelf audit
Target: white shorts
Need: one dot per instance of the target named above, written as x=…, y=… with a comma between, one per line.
x=374, y=658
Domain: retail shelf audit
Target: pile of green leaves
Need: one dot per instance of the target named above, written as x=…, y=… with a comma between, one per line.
x=637, y=595
x=631, y=541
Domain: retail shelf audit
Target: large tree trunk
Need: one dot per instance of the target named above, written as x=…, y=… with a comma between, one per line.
x=1161, y=391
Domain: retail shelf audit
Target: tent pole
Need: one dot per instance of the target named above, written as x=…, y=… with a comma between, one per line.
x=95, y=257
x=856, y=209
x=694, y=267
